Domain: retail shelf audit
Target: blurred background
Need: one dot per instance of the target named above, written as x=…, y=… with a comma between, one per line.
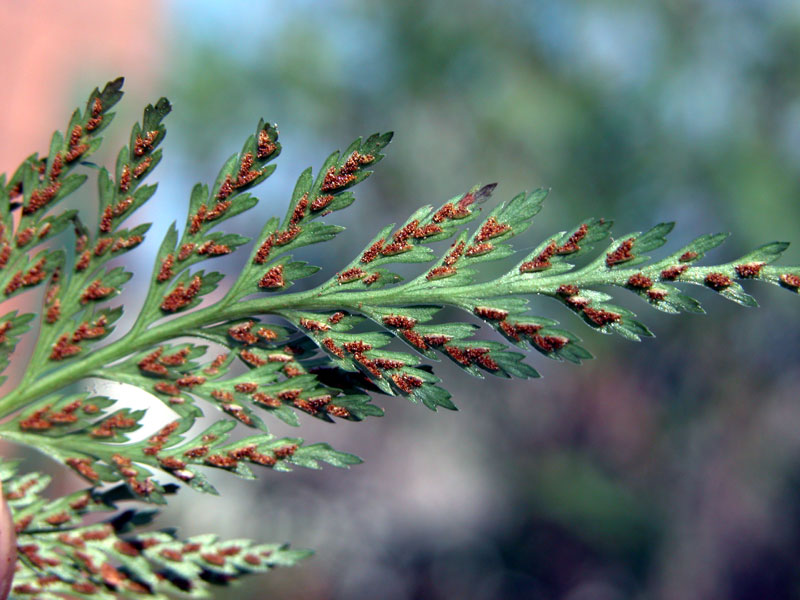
x=666, y=469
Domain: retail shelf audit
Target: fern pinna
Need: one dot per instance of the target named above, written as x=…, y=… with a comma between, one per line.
x=362, y=331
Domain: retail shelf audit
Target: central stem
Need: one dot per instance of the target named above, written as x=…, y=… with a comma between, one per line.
x=405, y=295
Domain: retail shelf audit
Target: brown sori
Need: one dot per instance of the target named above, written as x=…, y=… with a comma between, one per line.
x=749, y=270
x=601, y=317
x=640, y=281
x=357, y=346
x=479, y=249
x=181, y=296
x=621, y=254
x=144, y=144
x=265, y=144
x=571, y=245
x=350, y=275
x=312, y=325
x=263, y=251
x=399, y=321
x=550, y=343
x=406, y=382
x=321, y=202
x=299, y=212
x=242, y=333
x=718, y=281
x=492, y=314
x=273, y=278
x=332, y=347
x=165, y=271
x=568, y=290
x=672, y=273
x=492, y=229
x=790, y=280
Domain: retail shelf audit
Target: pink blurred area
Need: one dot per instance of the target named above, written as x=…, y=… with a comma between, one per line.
x=51, y=54
x=47, y=48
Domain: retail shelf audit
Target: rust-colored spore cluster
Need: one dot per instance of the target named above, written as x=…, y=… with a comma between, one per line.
x=415, y=339
x=160, y=439
x=448, y=268
x=213, y=368
x=567, y=290
x=143, y=145
x=479, y=249
x=165, y=272
x=244, y=177
x=108, y=427
x=84, y=467
x=190, y=381
x=299, y=212
x=571, y=245
x=688, y=256
x=142, y=167
x=252, y=358
x=25, y=236
x=399, y=321
x=491, y=314
x=152, y=364
x=243, y=333
x=790, y=281
x=351, y=275
x=640, y=281
x=407, y=382
x=471, y=355
x=96, y=291
x=601, y=317
x=336, y=179
x=102, y=245
x=262, y=255
x=314, y=325
x=542, y=261
x=186, y=250
x=284, y=237
x=97, y=115
x=204, y=215
x=621, y=254
x=273, y=278
x=321, y=202
x=211, y=248
x=41, y=197
x=672, y=273
x=4, y=329
x=265, y=145
x=76, y=147
x=461, y=209
x=331, y=346
x=492, y=229
x=749, y=270
x=718, y=281
x=426, y=231
x=372, y=252
x=86, y=331
x=181, y=295
x=36, y=274
x=43, y=419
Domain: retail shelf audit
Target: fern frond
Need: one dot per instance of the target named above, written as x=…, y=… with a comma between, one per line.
x=260, y=350
x=63, y=555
